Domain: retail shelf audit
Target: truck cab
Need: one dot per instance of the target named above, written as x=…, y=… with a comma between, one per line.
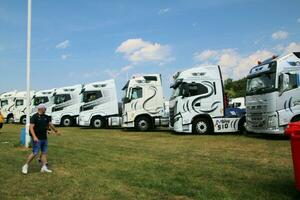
x=66, y=107
x=99, y=104
x=143, y=103
x=19, y=109
x=197, y=103
x=7, y=102
x=45, y=97
x=273, y=94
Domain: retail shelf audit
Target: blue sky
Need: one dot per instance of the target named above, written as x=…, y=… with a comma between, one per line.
x=85, y=41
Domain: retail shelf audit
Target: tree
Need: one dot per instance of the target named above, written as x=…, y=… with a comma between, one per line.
x=235, y=88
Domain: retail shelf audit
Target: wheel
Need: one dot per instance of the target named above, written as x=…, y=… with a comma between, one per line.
x=241, y=127
x=202, y=126
x=67, y=121
x=23, y=120
x=98, y=122
x=296, y=119
x=10, y=120
x=143, y=123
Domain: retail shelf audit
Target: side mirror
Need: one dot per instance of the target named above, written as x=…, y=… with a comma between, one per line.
x=126, y=100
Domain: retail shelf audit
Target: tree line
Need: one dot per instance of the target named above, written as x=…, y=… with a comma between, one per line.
x=235, y=88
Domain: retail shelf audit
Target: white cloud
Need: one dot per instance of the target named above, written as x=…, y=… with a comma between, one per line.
x=232, y=63
x=138, y=50
x=126, y=68
x=280, y=35
x=204, y=55
x=292, y=47
x=163, y=11
x=63, y=45
x=112, y=73
x=65, y=56
x=236, y=65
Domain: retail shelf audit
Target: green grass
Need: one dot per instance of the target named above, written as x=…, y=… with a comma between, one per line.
x=116, y=164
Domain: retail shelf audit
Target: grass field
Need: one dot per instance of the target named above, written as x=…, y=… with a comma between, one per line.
x=116, y=164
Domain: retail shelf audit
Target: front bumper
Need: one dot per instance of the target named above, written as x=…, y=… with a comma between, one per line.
x=82, y=122
x=128, y=125
x=55, y=120
x=263, y=123
x=277, y=131
x=179, y=127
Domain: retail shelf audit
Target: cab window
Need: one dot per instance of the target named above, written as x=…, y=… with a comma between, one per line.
x=136, y=93
x=91, y=96
x=194, y=89
x=19, y=102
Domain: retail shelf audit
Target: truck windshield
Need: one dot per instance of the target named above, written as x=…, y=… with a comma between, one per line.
x=260, y=84
x=40, y=100
x=4, y=103
x=19, y=102
x=61, y=98
x=91, y=96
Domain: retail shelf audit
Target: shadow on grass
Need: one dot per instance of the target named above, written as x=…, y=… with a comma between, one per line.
x=266, y=136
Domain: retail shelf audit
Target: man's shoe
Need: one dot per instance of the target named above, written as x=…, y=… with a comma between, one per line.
x=46, y=170
x=25, y=169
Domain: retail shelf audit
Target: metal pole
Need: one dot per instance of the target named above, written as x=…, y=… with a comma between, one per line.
x=27, y=140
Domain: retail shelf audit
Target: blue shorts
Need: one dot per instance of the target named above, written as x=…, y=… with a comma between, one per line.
x=41, y=144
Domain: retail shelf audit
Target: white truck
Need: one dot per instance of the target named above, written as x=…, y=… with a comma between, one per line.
x=66, y=107
x=99, y=105
x=238, y=102
x=143, y=104
x=19, y=109
x=197, y=103
x=7, y=102
x=45, y=97
x=273, y=94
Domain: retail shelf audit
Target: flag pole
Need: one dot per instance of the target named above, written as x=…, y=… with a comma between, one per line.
x=27, y=138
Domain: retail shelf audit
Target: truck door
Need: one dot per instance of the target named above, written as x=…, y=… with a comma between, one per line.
x=288, y=103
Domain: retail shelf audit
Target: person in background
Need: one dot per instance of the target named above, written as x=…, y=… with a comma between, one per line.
x=39, y=124
x=1, y=120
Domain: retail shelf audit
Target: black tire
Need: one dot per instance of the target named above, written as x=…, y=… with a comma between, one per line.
x=10, y=120
x=296, y=119
x=23, y=120
x=98, y=122
x=202, y=126
x=241, y=127
x=67, y=121
x=143, y=123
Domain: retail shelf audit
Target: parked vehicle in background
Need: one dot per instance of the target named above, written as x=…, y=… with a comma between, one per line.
x=238, y=102
x=273, y=94
x=99, y=106
x=7, y=102
x=67, y=102
x=19, y=109
x=197, y=103
x=143, y=103
x=45, y=97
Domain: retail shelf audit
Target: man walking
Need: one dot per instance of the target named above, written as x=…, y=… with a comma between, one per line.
x=39, y=125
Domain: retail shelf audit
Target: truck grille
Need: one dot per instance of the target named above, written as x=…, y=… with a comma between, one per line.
x=256, y=121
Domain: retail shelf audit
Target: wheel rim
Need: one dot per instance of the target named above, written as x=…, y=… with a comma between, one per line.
x=67, y=122
x=24, y=121
x=98, y=123
x=143, y=124
x=201, y=127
